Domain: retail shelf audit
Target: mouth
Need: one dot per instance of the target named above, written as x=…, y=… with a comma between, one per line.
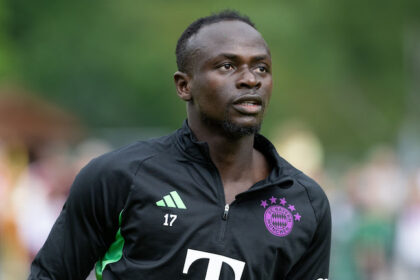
x=248, y=104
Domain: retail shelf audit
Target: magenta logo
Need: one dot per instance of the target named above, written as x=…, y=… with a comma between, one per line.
x=279, y=219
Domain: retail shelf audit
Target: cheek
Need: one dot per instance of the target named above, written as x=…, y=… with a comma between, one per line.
x=267, y=88
x=214, y=82
x=211, y=89
x=269, y=84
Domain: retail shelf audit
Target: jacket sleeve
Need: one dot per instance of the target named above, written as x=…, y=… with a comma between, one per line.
x=87, y=223
x=314, y=264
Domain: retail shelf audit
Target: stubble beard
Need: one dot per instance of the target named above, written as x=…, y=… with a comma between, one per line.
x=229, y=128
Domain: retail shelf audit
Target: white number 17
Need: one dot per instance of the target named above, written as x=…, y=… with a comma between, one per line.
x=173, y=218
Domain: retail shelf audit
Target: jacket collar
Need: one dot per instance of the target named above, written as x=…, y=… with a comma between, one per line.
x=199, y=151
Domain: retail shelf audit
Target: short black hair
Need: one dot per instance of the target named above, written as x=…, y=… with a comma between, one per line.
x=182, y=52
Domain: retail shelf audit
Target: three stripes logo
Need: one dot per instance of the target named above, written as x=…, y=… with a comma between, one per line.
x=172, y=200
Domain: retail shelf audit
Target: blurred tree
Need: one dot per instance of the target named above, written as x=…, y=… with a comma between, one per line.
x=338, y=66
x=343, y=71
x=6, y=57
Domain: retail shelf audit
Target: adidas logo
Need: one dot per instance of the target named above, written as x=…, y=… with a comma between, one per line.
x=172, y=200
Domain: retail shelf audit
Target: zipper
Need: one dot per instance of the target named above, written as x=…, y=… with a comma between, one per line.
x=224, y=223
x=226, y=212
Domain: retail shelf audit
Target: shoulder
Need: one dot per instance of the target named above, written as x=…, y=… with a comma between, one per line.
x=113, y=173
x=313, y=190
x=127, y=159
x=316, y=195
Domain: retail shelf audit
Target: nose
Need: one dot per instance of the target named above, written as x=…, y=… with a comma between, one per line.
x=248, y=79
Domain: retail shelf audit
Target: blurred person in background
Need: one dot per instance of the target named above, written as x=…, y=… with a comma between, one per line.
x=213, y=200
x=380, y=192
x=407, y=245
x=365, y=215
x=35, y=174
x=13, y=254
x=39, y=194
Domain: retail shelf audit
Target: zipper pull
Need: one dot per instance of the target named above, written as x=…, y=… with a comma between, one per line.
x=226, y=212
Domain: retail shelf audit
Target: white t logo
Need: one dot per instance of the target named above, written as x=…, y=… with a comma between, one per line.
x=215, y=264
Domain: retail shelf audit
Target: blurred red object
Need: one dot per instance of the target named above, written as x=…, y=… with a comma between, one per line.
x=28, y=118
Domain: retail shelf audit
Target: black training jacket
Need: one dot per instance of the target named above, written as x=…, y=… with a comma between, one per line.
x=156, y=210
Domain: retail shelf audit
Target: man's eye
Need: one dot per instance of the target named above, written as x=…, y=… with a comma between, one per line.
x=226, y=66
x=262, y=69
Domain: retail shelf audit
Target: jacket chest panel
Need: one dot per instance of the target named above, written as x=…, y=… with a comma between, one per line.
x=277, y=230
x=167, y=216
x=177, y=207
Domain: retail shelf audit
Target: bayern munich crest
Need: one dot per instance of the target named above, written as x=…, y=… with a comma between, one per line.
x=279, y=218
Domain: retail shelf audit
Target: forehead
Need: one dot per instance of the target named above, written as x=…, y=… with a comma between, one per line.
x=233, y=36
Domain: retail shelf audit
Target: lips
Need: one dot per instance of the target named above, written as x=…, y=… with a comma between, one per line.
x=248, y=104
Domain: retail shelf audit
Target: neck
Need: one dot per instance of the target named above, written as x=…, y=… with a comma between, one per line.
x=234, y=157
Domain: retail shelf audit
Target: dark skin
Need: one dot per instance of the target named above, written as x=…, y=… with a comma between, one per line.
x=229, y=80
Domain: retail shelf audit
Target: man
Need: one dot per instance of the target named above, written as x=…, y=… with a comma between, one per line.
x=211, y=201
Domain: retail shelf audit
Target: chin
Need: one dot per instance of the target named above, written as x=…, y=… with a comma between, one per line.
x=232, y=127
x=239, y=130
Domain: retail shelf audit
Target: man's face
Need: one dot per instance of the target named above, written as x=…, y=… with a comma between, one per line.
x=230, y=78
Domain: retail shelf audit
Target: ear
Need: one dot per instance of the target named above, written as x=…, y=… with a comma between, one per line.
x=182, y=83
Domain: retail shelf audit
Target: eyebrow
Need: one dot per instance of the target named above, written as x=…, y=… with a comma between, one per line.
x=235, y=57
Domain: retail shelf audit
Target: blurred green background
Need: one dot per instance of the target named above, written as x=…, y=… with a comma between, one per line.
x=342, y=67
x=345, y=72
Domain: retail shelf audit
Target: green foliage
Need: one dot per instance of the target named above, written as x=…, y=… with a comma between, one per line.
x=5, y=49
x=338, y=66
